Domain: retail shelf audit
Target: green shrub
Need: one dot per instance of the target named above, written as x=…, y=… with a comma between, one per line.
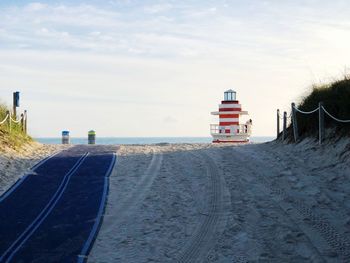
x=14, y=138
x=3, y=110
x=336, y=99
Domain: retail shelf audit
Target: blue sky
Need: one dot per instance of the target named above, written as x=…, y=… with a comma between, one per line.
x=157, y=68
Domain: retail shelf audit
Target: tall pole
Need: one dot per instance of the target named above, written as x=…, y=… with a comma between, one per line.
x=295, y=123
x=278, y=122
x=9, y=119
x=22, y=122
x=25, y=121
x=284, y=126
x=14, y=111
x=320, y=122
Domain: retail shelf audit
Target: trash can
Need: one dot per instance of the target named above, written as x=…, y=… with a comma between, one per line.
x=65, y=137
x=91, y=137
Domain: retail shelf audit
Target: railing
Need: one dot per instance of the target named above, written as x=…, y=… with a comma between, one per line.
x=321, y=127
x=241, y=129
x=22, y=121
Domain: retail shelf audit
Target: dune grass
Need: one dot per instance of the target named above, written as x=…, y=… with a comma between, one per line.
x=15, y=138
x=336, y=99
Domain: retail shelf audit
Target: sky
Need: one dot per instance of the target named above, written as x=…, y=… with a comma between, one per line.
x=158, y=68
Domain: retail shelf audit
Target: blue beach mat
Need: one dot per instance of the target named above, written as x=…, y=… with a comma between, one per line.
x=54, y=215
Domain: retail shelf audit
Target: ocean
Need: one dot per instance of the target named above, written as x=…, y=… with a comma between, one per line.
x=144, y=140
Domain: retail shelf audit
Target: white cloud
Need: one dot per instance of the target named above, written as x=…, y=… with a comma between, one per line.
x=216, y=35
x=178, y=58
x=33, y=7
x=158, y=8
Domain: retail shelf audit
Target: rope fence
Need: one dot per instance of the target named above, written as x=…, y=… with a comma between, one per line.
x=15, y=121
x=4, y=120
x=9, y=120
x=320, y=109
x=306, y=112
x=334, y=118
x=284, y=118
x=288, y=117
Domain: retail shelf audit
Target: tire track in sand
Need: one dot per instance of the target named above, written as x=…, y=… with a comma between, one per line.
x=122, y=212
x=202, y=241
x=127, y=205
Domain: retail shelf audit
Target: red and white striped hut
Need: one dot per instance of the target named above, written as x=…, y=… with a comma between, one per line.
x=229, y=128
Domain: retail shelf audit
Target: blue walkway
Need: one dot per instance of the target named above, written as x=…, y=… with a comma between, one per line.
x=54, y=214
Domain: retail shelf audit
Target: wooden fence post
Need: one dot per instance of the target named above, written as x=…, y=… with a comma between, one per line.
x=294, y=123
x=284, y=126
x=22, y=122
x=25, y=121
x=320, y=122
x=278, y=123
x=14, y=106
x=9, y=120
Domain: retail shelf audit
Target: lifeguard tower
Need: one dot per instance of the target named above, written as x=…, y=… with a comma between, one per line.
x=229, y=128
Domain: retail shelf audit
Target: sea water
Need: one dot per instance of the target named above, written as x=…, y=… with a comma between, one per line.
x=144, y=140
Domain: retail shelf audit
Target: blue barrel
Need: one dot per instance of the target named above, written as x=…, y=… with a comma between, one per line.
x=65, y=137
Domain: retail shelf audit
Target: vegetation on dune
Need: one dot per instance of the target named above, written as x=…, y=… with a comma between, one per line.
x=15, y=138
x=336, y=100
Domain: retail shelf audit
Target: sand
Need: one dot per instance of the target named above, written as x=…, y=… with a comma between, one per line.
x=215, y=203
x=269, y=202
x=14, y=164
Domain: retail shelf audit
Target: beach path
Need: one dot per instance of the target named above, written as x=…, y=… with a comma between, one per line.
x=226, y=203
x=53, y=213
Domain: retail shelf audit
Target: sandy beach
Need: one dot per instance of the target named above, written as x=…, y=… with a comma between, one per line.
x=201, y=202
x=269, y=202
x=174, y=131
